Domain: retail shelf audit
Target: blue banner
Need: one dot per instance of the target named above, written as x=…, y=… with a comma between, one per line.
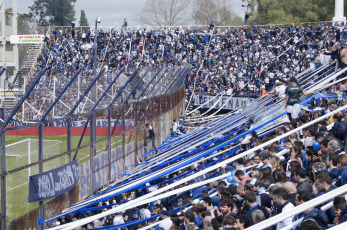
x=53, y=183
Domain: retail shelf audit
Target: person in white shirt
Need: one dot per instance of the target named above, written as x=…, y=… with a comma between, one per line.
x=280, y=196
x=174, y=126
x=144, y=212
x=119, y=219
x=166, y=224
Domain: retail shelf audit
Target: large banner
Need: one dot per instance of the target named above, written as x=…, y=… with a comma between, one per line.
x=99, y=123
x=232, y=104
x=53, y=183
x=21, y=39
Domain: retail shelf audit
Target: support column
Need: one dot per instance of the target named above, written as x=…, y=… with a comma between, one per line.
x=14, y=32
x=41, y=210
x=135, y=131
x=109, y=139
x=92, y=153
x=3, y=182
x=123, y=138
x=68, y=148
x=339, y=12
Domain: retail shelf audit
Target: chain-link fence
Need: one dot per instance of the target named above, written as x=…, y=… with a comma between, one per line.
x=116, y=145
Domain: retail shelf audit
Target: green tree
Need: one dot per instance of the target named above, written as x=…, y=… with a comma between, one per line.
x=83, y=19
x=294, y=11
x=54, y=12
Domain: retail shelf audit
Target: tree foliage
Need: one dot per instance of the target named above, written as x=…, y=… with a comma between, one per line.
x=294, y=11
x=24, y=24
x=53, y=12
x=218, y=11
x=164, y=12
x=83, y=19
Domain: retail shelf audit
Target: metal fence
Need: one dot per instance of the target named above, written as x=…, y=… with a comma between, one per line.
x=185, y=27
x=107, y=138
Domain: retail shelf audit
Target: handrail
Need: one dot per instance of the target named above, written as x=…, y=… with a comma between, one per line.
x=198, y=26
x=300, y=208
x=303, y=207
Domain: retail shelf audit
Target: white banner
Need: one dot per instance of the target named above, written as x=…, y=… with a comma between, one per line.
x=99, y=123
x=232, y=104
x=20, y=39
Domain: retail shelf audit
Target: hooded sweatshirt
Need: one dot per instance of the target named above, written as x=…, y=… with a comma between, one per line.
x=319, y=216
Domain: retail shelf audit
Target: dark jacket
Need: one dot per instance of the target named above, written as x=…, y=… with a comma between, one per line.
x=337, y=53
x=318, y=215
x=304, y=186
x=344, y=216
x=344, y=175
x=341, y=130
x=329, y=212
x=291, y=198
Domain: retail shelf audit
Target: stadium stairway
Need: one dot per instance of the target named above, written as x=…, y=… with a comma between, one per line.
x=28, y=64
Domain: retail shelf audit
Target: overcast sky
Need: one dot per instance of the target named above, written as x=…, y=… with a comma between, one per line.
x=110, y=11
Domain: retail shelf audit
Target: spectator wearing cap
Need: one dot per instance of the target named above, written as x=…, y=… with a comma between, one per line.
x=265, y=159
x=281, y=196
x=275, y=209
x=262, y=197
x=166, y=224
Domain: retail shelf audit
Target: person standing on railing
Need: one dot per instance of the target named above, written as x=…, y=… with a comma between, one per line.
x=293, y=94
x=151, y=136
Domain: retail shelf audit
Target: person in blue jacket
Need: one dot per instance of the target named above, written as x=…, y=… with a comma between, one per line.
x=315, y=214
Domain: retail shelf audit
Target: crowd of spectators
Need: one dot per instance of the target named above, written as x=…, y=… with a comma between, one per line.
x=316, y=162
x=241, y=61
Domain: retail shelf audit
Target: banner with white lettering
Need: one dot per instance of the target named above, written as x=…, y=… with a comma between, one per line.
x=53, y=183
x=99, y=123
x=232, y=104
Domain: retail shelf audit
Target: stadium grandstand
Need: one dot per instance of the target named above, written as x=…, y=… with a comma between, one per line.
x=199, y=127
